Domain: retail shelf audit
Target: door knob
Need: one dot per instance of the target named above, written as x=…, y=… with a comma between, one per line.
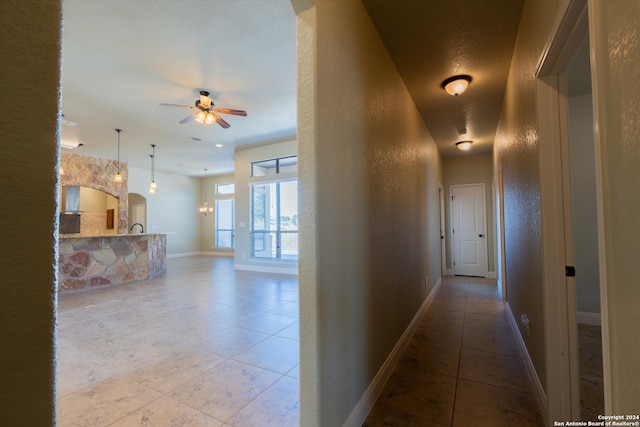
x=480, y=235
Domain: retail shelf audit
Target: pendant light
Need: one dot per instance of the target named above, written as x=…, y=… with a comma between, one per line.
x=205, y=209
x=152, y=186
x=118, y=177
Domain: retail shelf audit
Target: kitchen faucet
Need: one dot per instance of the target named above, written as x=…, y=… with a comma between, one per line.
x=141, y=227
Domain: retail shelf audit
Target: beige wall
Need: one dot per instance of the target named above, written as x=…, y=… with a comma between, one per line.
x=369, y=176
x=30, y=58
x=208, y=223
x=615, y=32
x=470, y=169
x=516, y=152
x=616, y=54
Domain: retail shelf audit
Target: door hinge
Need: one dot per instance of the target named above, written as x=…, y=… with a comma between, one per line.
x=570, y=271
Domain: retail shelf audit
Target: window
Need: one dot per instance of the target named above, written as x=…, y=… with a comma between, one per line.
x=274, y=209
x=274, y=220
x=274, y=166
x=225, y=229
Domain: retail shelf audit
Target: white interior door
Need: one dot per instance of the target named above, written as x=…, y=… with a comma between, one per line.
x=469, y=230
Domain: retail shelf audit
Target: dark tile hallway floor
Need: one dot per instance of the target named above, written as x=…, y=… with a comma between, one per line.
x=461, y=368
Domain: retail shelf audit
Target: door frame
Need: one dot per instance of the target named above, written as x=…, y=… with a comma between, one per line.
x=484, y=215
x=443, y=241
x=559, y=292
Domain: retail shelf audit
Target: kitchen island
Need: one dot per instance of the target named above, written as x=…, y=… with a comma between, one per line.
x=90, y=261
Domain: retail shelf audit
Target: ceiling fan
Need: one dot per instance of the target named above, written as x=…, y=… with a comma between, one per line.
x=206, y=112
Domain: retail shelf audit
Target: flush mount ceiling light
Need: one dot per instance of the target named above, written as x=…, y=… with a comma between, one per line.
x=464, y=145
x=118, y=176
x=456, y=85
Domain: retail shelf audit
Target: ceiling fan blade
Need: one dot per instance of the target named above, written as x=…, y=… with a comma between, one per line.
x=188, y=118
x=230, y=111
x=164, y=104
x=221, y=121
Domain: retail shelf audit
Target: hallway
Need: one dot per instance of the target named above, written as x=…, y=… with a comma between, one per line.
x=461, y=368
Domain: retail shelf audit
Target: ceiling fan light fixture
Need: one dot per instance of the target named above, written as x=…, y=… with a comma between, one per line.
x=456, y=85
x=201, y=116
x=464, y=145
x=210, y=119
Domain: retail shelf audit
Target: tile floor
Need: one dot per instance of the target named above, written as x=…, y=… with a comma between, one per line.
x=201, y=345
x=462, y=367
x=591, y=377
x=206, y=345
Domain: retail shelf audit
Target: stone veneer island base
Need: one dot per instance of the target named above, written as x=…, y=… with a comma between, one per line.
x=86, y=262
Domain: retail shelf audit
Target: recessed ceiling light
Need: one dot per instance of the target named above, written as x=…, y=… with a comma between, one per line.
x=219, y=145
x=456, y=85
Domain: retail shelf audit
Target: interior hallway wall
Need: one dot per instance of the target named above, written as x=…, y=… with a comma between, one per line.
x=516, y=149
x=616, y=59
x=369, y=176
x=30, y=56
x=615, y=37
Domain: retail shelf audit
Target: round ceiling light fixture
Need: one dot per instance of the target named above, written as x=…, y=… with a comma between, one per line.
x=456, y=85
x=464, y=145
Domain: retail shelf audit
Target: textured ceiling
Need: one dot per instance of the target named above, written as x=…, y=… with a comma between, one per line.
x=121, y=59
x=430, y=41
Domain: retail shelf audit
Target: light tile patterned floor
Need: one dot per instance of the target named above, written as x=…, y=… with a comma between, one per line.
x=461, y=368
x=205, y=345
x=201, y=345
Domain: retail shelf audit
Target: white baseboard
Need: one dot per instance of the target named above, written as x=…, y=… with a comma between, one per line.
x=182, y=255
x=267, y=269
x=541, y=396
x=223, y=254
x=586, y=318
x=186, y=254
x=359, y=413
x=492, y=275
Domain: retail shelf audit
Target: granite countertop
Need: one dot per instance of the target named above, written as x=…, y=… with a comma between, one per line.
x=85, y=236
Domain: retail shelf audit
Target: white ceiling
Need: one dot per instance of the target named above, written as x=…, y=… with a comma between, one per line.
x=122, y=58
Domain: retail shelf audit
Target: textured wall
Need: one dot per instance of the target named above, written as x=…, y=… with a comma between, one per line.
x=29, y=84
x=369, y=175
x=616, y=58
x=516, y=150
